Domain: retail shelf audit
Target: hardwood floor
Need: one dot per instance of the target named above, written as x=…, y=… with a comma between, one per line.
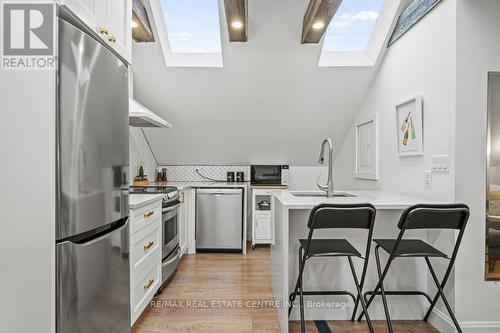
x=217, y=292
x=400, y=326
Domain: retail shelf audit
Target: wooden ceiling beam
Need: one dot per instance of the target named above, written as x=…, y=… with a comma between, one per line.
x=237, y=19
x=141, y=32
x=318, y=15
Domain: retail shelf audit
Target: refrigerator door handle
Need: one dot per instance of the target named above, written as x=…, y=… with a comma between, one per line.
x=97, y=235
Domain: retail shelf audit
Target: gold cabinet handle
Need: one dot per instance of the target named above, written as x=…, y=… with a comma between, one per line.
x=149, y=245
x=103, y=30
x=112, y=38
x=148, y=214
x=148, y=285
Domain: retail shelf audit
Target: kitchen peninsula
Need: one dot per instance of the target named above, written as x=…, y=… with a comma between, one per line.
x=290, y=213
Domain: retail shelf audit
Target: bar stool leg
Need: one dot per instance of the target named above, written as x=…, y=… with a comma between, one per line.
x=382, y=291
x=361, y=284
x=301, y=290
x=440, y=291
x=436, y=298
x=374, y=293
x=293, y=296
x=360, y=296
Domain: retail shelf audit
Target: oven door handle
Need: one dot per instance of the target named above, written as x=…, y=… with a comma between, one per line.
x=169, y=209
x=176, y=256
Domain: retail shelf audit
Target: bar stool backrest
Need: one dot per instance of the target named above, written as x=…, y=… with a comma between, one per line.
x=448, y=216
x=331, y=216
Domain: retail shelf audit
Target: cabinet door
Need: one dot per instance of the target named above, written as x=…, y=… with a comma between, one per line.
x=86, y=10
x=118, y=19
x=263, y=227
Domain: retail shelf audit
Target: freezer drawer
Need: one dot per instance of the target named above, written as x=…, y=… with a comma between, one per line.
x=93, y=283
x=219, y=219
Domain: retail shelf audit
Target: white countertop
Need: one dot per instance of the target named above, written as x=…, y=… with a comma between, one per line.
x=138, y=200
x=381, y=200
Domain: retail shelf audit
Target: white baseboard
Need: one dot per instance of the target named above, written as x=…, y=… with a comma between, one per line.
x=481, y=326
x=441, y=321
x=444, y=324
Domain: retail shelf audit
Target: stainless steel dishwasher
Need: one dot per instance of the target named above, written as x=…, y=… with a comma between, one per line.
x=219, y=219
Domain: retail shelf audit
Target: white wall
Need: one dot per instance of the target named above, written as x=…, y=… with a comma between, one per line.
x=27, y=201
x=269, y=104
x=304, y=178
x=422, y=62
x=478, y=51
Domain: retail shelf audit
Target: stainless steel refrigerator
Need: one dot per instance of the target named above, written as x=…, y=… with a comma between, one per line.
x=92, y=250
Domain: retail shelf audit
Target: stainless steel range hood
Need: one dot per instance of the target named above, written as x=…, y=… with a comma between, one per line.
x=141, y=116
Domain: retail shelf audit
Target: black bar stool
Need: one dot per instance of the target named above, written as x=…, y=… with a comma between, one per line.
x=333, y=216
x=453, y=216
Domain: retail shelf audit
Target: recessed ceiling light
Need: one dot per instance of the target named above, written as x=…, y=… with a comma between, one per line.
x=134, y=24
x=237, y=24
x=318, y=25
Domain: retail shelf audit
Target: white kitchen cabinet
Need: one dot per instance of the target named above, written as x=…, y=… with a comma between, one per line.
x=115, y=26
x=143, y=287
x=145, y=255
x=263, y=232
x=86, y=10
x=143, y=216
x=110, y=19
x=262, y=222
x=144, y=244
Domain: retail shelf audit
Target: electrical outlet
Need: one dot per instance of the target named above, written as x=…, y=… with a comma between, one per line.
x=428, y=178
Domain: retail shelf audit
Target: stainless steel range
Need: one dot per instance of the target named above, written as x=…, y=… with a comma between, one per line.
x=170, y=226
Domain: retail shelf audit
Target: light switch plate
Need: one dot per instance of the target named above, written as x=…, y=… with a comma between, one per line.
x=440, y=163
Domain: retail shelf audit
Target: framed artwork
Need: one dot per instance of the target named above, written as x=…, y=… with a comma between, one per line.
x=409, y=126
x=367, y=147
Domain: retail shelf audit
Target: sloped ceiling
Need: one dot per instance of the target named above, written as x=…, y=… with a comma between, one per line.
x=270, y=103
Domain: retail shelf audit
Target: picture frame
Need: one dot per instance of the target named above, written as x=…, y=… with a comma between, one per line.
x=367, y=142
x=410, y=127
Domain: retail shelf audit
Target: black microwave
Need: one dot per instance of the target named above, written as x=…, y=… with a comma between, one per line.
x=269, y=174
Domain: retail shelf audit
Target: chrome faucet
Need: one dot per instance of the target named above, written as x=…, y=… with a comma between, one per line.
x=328, y=188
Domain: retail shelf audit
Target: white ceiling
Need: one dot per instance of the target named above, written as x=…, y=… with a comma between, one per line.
x=270, y=103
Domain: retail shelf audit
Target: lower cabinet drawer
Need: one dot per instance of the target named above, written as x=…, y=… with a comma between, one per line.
x=144, y=216
x=143, y=287
x=143, y=245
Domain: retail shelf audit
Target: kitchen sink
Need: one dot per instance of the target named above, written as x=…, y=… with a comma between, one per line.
x=321, y=194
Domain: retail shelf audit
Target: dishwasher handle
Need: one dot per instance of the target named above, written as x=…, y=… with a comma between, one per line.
x=220, y=191
x=219, y=194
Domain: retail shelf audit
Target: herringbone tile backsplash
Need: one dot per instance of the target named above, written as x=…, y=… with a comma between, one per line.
x=140, y=154
x=187, y=173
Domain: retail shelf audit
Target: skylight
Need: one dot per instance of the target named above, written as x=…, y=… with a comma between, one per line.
x=192, y=25
x=352, y=26
x=357, y=34
x=189, y=32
